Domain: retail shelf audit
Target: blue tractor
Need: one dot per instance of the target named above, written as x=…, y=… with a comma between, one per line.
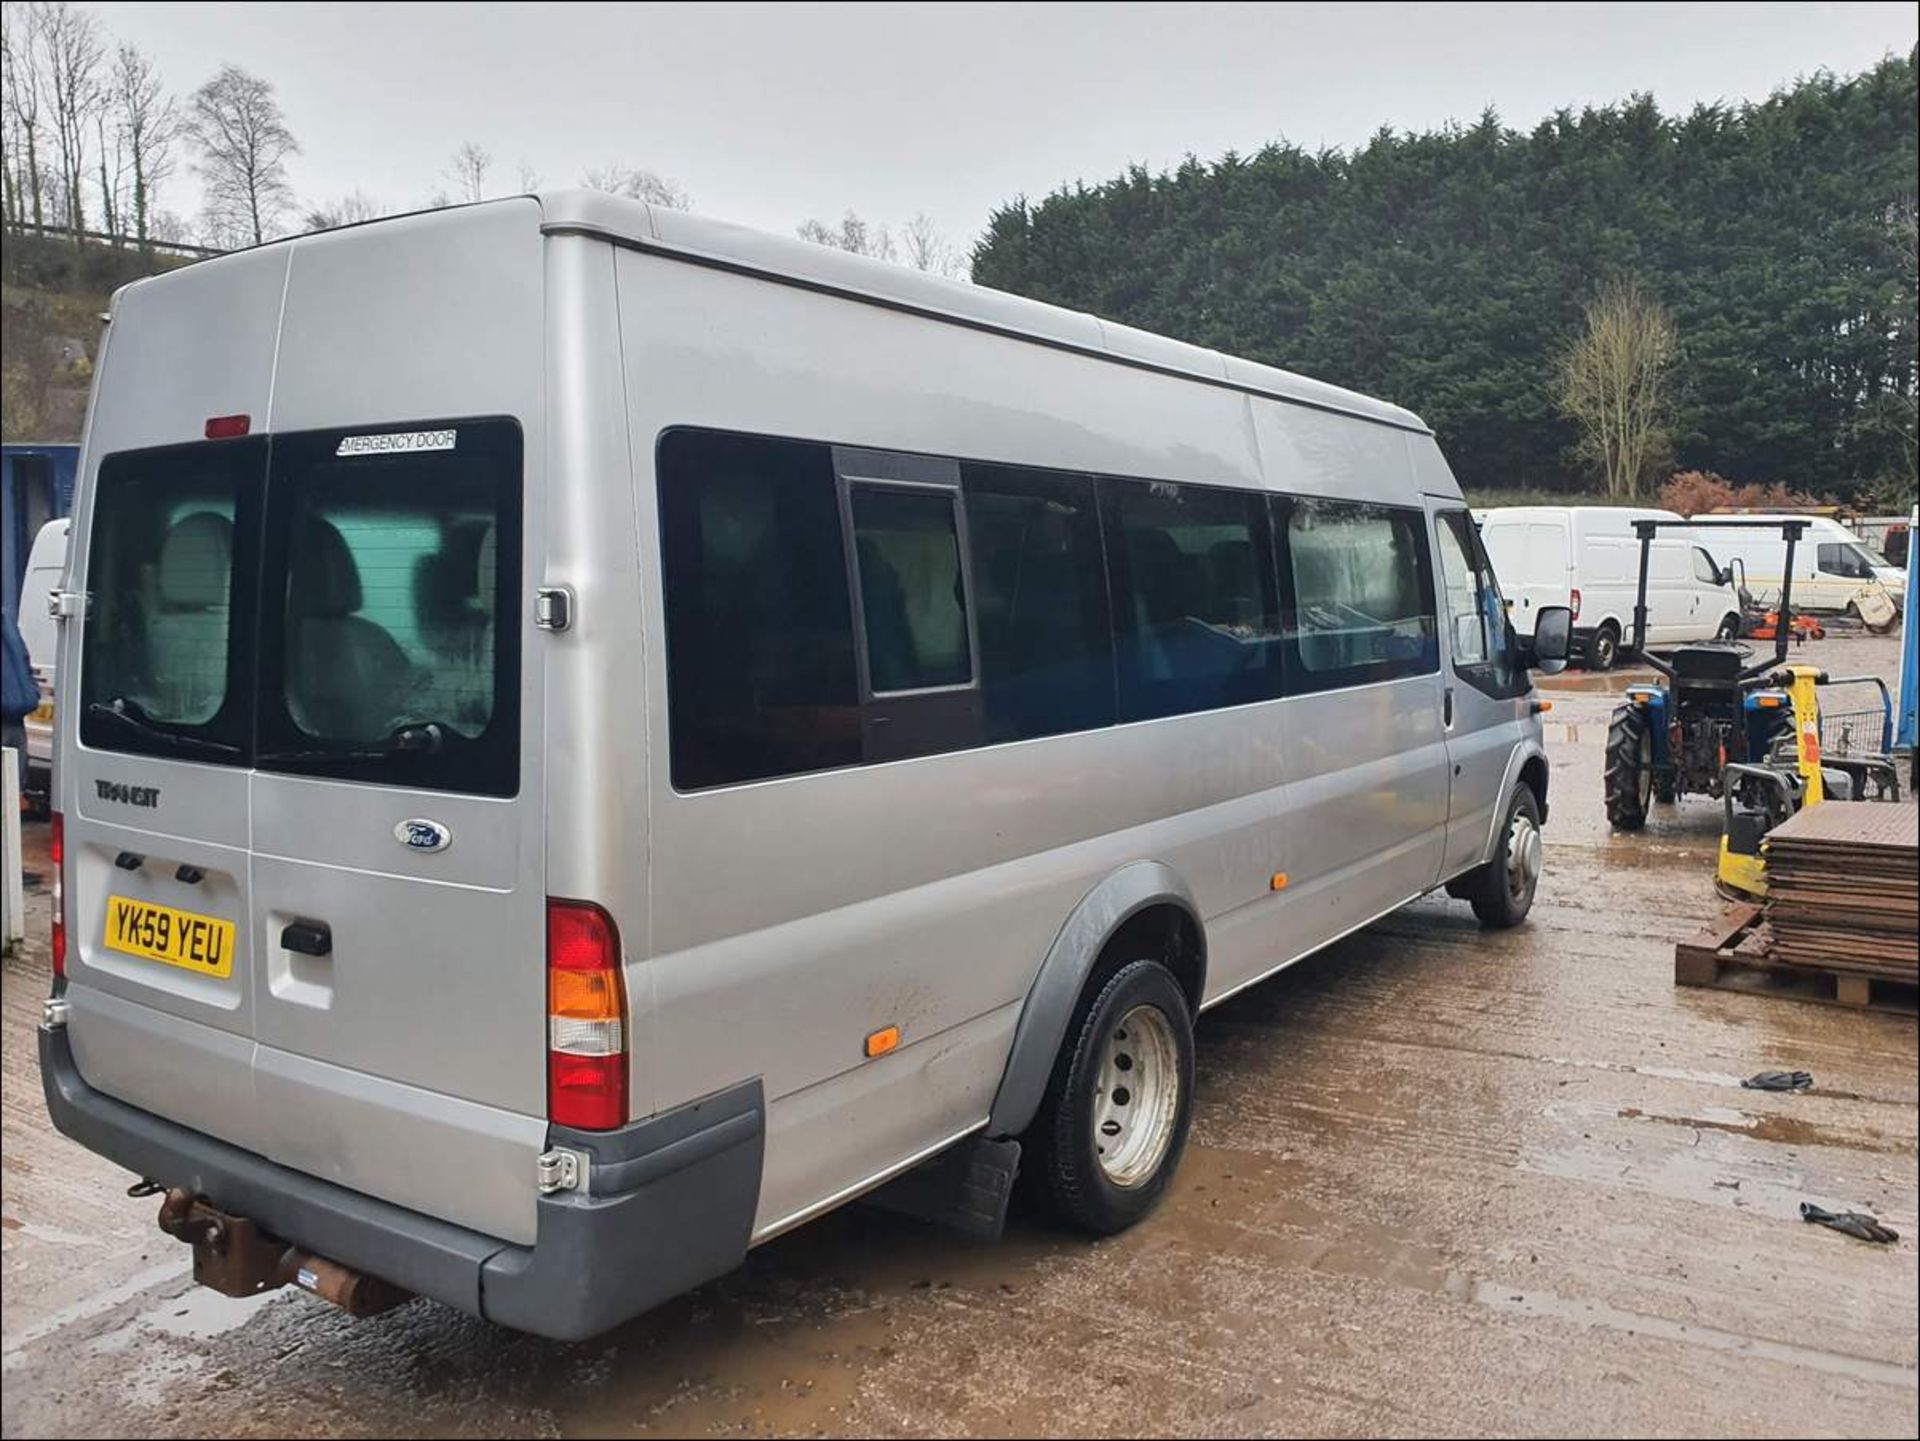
x=1748, y=734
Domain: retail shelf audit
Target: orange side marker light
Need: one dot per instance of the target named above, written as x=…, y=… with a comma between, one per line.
x=882, y=1041
x=1279, y=882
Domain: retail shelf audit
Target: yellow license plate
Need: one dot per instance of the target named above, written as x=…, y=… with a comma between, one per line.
x=201, y=944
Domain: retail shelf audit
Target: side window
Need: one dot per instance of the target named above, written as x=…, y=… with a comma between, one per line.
x=1461, y=590
x=1704, y=570
x=1361, y=604
x=1040, y=602
x=761, y=678
x=1835, y=559
x=911, y=593
x=1483, y=652
x=1195, y=618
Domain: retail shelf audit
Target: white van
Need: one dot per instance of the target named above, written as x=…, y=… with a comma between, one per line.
x=1832, y=567
x=593, y=736
x=46, y=563
x=1587, y=558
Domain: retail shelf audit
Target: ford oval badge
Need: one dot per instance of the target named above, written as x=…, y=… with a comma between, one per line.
x=423, y=835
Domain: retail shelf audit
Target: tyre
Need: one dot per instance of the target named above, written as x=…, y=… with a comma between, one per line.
x=1604, y=649
x=1629, y=777
x=1501, y=891
x=1729, y=628
x=1112, y=1128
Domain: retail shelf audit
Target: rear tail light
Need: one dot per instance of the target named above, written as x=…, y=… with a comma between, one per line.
x=57, y=854
x=586, y=1019
x=1576, y=604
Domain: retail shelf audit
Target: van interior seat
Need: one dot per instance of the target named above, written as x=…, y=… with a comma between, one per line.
x=891, y=653
x=188, y=634
x=346, y=676
x=1231, y=562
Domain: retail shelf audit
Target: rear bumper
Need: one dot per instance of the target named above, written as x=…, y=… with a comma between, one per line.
x=669, y=1203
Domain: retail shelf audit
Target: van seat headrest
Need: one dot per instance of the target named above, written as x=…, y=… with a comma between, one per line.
x=325, y=580
x=196, y=562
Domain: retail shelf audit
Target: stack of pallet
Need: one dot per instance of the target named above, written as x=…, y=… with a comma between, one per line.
x=1843, y=890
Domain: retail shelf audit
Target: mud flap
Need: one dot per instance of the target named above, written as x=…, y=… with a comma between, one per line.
x=965, y=1188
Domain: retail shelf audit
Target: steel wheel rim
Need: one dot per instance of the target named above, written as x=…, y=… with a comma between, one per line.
x=1603, y=648
x=1136, y=1097
x=1523, y=855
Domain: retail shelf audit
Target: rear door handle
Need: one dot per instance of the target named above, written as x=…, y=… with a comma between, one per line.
x=310, y=938
x=1446, y=709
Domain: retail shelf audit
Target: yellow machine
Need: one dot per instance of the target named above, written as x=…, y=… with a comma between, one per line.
x=1760, y=796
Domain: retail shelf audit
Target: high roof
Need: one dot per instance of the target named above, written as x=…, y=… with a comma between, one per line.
x=801, y=262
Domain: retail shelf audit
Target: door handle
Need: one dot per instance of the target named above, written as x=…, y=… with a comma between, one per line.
x=310, y=938
x=1446, y=708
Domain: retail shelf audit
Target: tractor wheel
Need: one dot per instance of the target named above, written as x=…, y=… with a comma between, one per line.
x=1629, y=769
x=1604, y=649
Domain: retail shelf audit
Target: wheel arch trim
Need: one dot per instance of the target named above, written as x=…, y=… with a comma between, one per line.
x=1526, y=753
x=1063, y=976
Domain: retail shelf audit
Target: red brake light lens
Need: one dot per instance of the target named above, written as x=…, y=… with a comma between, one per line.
x=1576, y=604
x=586, y=1019
x=226, y=427
x=57, y=854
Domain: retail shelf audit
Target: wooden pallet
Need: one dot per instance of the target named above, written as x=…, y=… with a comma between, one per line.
x=1737, y=955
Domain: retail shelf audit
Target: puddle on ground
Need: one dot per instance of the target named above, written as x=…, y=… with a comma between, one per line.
x=1587, y=682
x=200, y=1314
x=781, y=1348
x=1786, y=1130
x=1515, y=1302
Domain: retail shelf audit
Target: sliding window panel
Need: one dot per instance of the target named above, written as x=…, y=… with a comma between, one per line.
x=908, y=572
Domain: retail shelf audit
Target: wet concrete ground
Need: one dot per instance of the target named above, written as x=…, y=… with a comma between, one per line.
x=1441, y=1181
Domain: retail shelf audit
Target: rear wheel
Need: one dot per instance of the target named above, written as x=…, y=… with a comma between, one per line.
x=1604, y=649
x=1629, y=778
x=1501, y=891
x=1729, y=628
x=1114, y=1123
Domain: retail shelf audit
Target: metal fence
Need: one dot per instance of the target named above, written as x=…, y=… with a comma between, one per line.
x=118, y=242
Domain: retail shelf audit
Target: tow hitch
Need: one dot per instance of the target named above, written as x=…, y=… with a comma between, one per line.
x=236, y=1258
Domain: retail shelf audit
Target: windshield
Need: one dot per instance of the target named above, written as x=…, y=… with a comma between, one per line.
x=370, y=647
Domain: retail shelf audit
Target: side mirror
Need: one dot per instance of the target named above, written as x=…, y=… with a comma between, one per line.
x=1552, y=639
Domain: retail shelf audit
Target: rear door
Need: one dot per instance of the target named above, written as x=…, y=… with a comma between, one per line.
x=395, y=925
x=160, y=960
x=1534, y=565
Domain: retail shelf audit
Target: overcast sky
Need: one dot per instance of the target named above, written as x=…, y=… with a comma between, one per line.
x=771, y=114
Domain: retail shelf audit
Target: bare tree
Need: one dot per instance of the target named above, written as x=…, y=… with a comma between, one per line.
x=853, y=235
x=1613, y=383
x=244, y=144
x=639, y=185
x=350, y=209
x=149, y=124
x=23, y=94
x=925, y=248
x=110, y=151
x=69, y=49
x=529, y=178
x=468, y=172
